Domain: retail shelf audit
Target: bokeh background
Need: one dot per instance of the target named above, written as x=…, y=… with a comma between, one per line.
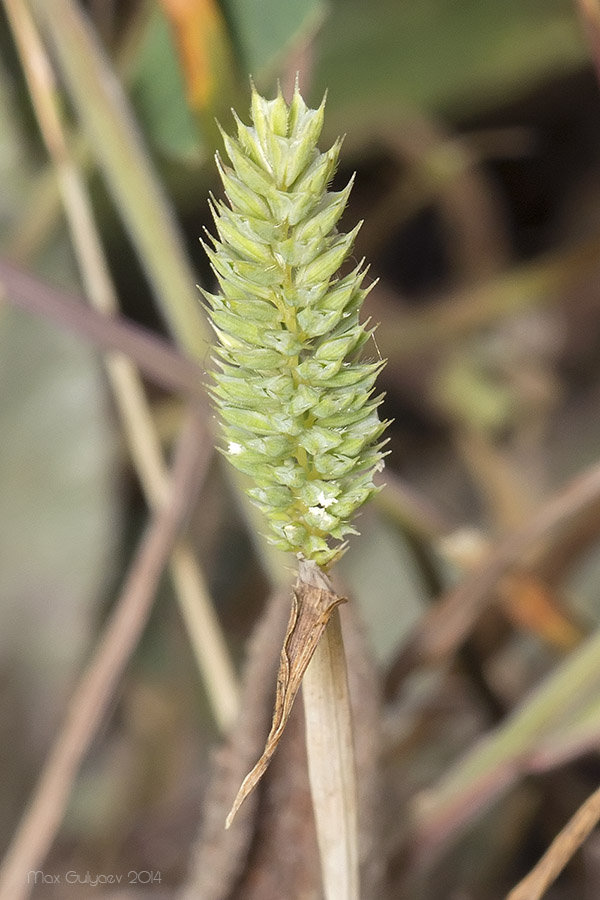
x=474, y=130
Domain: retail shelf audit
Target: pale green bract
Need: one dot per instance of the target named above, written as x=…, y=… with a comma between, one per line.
x=294, y=393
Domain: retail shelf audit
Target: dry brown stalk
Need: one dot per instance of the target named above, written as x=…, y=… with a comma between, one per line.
x=134, y=409
x=446, y=626
x=100, y=679
x=157, y=359
x=562, y=848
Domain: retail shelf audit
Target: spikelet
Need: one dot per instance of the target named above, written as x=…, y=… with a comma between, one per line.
x=295, y=396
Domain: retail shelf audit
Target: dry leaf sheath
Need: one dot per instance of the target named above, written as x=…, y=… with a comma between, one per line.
x=312, y=608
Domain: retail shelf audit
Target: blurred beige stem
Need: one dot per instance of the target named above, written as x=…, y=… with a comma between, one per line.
x=330, y=749
x=112, y=132
x=143, y=442
x=100, y=679
x=560, y=852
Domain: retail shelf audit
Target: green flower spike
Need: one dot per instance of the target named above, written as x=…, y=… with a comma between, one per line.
x=293, y=391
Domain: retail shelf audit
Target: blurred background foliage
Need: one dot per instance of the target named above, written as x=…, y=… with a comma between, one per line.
x=474, y=128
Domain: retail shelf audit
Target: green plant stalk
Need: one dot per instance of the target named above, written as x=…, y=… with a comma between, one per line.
x=295, y=397
x=502, y=756
x=118, y=147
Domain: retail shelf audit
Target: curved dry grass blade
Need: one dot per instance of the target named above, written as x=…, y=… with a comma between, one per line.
x=562, y=848
x=220, y=857
x=312, y=608
x=99, y=681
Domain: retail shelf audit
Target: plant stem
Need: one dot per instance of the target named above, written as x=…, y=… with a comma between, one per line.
x=196, y=606
x=560, y=852
x=108, y=122
x=97, y=685
x=156, y=359
x=111, y=130
x=330, y=750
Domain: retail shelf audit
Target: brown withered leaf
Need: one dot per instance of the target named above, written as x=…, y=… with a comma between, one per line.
x=532, y=604
x=284, y=849
x=311, y=610
x=273, y=841
x=202, y=45
x=207, y=64
x=221, y=856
